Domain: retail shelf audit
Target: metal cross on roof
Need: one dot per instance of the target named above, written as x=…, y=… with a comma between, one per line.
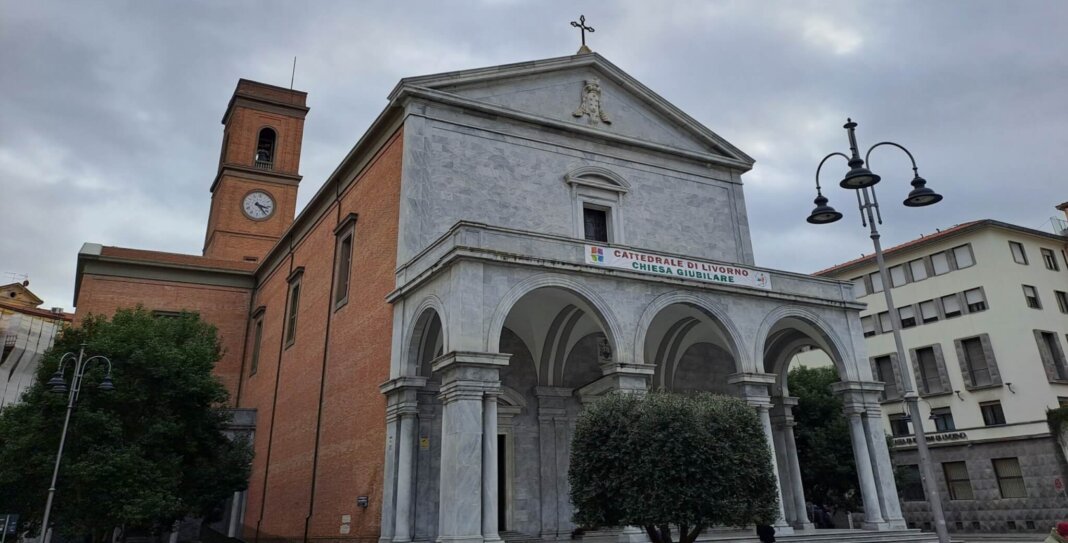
x=581, y=25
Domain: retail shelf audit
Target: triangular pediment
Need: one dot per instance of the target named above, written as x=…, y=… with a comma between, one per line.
x=583, y=91
x=18, y=295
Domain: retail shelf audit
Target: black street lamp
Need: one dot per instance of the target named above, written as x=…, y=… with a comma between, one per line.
x=58, y=385
x=863, y=181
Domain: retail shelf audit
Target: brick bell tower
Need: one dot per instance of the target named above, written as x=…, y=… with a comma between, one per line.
x=254, y=195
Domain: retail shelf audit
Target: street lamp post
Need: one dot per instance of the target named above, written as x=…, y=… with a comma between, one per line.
x=58, y=385
x=862, y=181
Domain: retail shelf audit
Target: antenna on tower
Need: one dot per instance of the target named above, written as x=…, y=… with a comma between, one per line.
x=293, y=74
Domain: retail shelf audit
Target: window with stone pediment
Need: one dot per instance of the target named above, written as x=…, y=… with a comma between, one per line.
x=597, y=197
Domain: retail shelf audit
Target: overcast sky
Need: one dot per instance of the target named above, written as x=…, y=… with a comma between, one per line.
x=110, y=111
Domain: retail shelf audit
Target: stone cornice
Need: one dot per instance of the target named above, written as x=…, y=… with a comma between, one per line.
x=254, y=174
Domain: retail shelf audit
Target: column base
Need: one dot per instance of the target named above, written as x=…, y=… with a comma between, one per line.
x=803, y=526
x=880, y=526
x=460, y=539
x=783, y=529
x=492, y=539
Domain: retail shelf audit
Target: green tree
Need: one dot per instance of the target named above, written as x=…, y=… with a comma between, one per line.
x=824, y=446
x=691, y=461
x=148, y=453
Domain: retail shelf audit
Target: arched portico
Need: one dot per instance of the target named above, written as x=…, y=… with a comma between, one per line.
x=788, y=332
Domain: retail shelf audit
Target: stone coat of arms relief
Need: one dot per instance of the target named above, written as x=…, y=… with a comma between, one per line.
x=590, y=106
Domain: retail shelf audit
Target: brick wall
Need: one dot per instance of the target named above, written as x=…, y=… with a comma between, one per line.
x=352, y=435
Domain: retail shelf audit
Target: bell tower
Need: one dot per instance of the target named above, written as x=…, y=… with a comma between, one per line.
x=254, y=195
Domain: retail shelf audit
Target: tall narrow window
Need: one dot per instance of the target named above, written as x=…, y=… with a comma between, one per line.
x=951, y=306
x=1018, y=254
x=918, y=269
x=993, y=415
x=1062, y=300
x=884, y=371
x=264, y=158
x=928, y=311
x=885, y=323
x=595, y=223
x=940, y=263
x=897, y=275
x=927, y=363
x=344, y=270
x=975, y=300
x=957, y=480
x=943, y=419
x=257, y=338
x=1031, y=296
x=291, y=317
x=1049, y=349
x=1049, y=259
x=899, y=425
x=976, y=362
x=963, y=255
x=909, y=484
x=1010, y=477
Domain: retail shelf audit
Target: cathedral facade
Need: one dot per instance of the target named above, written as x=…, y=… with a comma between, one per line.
x=500, y=248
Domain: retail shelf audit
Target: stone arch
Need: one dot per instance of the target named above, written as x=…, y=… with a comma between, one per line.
x=717, y=314
x=429, y=309
x=834, y=347
x=613, y=329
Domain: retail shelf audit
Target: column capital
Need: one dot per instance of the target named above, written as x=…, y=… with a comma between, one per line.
x=754, y=387
x=858, y=395
x=401, y=384
x=469, y=359
x=467, y=389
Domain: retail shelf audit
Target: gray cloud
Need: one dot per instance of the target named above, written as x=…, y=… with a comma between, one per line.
x=109, y=112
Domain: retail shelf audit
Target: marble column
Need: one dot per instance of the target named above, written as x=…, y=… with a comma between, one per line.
x=466, y=378
x=872, y=511
x=402, y=532
x=401, y=403
x=489, y=468
x=801, y=521
x=786, y=484
x=884, y=469
x=552, y=414
x=781, y=526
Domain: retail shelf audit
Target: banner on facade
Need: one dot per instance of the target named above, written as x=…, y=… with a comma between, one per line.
x=680, y=268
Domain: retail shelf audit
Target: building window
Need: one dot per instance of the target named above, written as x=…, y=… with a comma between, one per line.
x=943, y=419
x=1018, y=254
x=868, y=324
x=344, y=270
x=907, y=315
x=884, y=371
x=928, y=311
x=1031, y=296
x=265, y=149
x=910, y=485
x=927, y=363
x=876, y=282
x=1010, y=477
x=1062, y=300
x=899, y=425
x=257, y=338
x=975, y=300
x=291, y=314
x=963, y=255
x=993, y=415
x=918, y=269
x=1049, y=259
x=859, y=287
x=940, y=263
x=884, y=322
x=1049, y=350
x=976, y=363
x=960, y=486
x=595, y=223
x=951, y=306
x=897, y=276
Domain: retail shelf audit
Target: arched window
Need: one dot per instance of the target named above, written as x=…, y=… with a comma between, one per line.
x=265, y=149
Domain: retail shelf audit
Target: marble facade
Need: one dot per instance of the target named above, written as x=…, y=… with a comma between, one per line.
x=503, y=331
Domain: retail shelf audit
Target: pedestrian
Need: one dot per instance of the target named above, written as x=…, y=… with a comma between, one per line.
x=766, y=533
x=1058, y=534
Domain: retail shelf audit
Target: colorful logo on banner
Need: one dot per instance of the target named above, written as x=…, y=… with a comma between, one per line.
x=680, y=268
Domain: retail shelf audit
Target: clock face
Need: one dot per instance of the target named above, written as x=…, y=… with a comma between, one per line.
x=258, y=205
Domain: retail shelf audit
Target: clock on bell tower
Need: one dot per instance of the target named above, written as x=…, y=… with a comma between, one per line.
x=254, y=195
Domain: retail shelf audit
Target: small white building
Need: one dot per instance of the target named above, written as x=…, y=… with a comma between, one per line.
x=984, y=315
